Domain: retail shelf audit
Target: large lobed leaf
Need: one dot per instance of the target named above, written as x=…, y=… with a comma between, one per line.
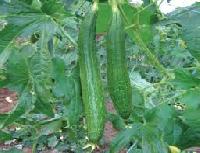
x=147, y=136
x=68, y=88
x=23, y=20
x=31, y=77
x=152, y=140
x=185, y=80
x=25, y=105
x=124, y=137
x=13, y=7
x=188, y=19
x=30, y=69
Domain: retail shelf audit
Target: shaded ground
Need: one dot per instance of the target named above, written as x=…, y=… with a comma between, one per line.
x=109, y=131
x=8, y=100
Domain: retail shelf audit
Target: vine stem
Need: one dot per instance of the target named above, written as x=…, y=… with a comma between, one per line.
x=138, y=12
x=148, y=53
x=95, y=5
x=34, y=146
x=143, y=46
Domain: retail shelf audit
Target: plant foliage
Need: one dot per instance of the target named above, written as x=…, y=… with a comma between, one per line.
x=39, y=61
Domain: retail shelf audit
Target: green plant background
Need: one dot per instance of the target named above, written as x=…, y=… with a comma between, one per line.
x=38, y=56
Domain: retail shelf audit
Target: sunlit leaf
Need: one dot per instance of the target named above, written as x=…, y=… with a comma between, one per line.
x=184, y=80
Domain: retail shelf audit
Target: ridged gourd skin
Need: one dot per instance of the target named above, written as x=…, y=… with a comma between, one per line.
x=92, y=88
x=117, y=72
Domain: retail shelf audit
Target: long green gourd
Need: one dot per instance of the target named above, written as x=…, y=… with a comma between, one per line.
x=117, y=72
x=92, y=89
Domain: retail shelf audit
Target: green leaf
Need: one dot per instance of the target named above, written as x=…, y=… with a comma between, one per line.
x=191, y=99
x=185, y=80
x=33, y=75
x=54, y=8
x=9, y=33
x=75, y=108
x=148, y=135
x=146, y=33
x=134, y=150
x=50, y=127
x=191, y=32
x=52, y=141
x=138, y=98
x=138, y=105
x=13, y=7
x=22, y=23
x=103, y=18
x=4, y=136
x=2, y=117
x=63, y=85
x=29, y=2
x=173, y=132
x=140, y=21
x=101, y=1
x=124, y=137
x=41, y=70
x=17, y=72
x=117, y=121
x=152, y=140
x=162, y=112
x=4, y=56
x=146, y=2
x=191, y=117
x=68, y=88
x=148, y=15
x=138, y=102
x=190, y=138
x=133, y=28
x=36, y=4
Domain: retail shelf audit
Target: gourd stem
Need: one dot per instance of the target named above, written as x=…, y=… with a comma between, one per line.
x=114, y=4
x=95, y=1
x=95, y=5
x=148, y=53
